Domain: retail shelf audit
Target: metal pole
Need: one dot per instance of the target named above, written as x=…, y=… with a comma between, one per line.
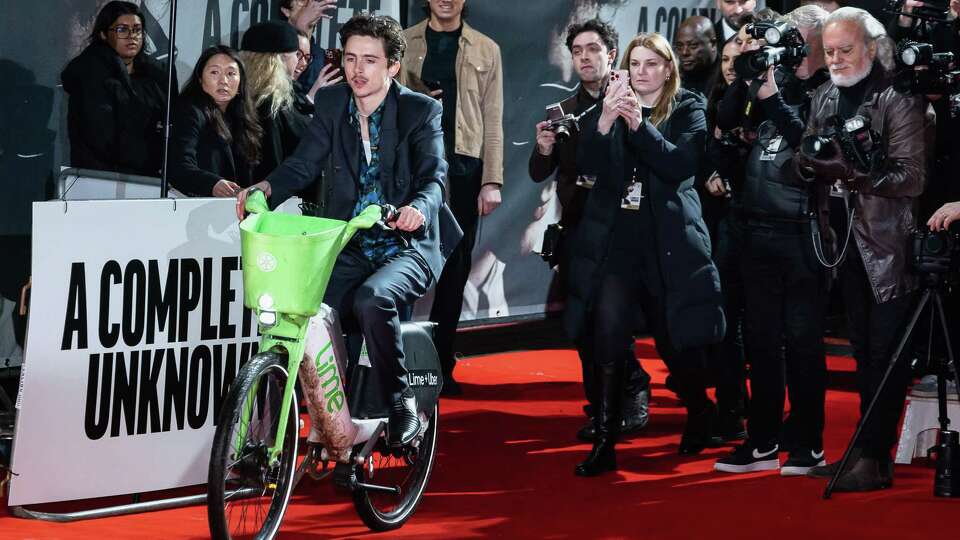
x=171, y=69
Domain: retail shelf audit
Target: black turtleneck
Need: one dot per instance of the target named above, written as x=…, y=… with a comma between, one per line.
x=851, y=97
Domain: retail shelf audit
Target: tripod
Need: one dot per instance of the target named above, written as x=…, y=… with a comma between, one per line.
x=933, y=283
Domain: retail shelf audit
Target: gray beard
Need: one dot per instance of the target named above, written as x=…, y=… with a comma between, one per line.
x=850, y=80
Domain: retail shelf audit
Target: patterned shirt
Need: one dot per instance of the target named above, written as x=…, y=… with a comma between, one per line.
x=377, y=244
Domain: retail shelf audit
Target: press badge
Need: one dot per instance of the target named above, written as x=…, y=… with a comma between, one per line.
x=586, y=180
x=632, y=196
x=839, y=190
x=773, y=147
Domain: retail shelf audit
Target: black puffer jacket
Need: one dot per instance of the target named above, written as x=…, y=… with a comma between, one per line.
x=691, y=284
x=114, y=118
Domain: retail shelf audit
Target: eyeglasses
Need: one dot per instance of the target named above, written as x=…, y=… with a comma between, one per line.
x=123, y=31
x=304, y=57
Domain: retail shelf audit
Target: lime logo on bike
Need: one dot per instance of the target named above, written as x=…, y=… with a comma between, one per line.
x=266, y=262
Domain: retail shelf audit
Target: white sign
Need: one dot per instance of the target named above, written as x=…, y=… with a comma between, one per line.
x=137, y=328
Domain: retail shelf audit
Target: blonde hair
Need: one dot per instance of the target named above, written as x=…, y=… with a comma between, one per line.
x=671, y=87
x=267, y=79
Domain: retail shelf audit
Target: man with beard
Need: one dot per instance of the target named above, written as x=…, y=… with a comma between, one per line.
x=593, y=46
x=731, y=11
x=696, y=46
x=879, y=291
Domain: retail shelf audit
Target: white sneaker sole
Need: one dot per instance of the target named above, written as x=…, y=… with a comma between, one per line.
x=766, y=465
x=793, y=470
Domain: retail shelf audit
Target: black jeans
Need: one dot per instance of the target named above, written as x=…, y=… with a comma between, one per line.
x=620, y=292
x=875, y=330
x=785, y=297
x=726, y=359
x=367, y=297
x=448, y=296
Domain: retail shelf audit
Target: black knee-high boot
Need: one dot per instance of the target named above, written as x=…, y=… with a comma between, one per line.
x=602, y=457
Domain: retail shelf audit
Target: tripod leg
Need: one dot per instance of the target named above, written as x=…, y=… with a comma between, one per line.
x=946, y=339
x=873, y=401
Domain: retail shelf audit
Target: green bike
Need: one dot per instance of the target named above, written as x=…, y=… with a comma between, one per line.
x=256, y=459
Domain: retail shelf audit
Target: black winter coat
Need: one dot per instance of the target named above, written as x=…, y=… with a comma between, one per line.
x=691, y=283
x=281, y=135
x=114, y=118
x=200, y=157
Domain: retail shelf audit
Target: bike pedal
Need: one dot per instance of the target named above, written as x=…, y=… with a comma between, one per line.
x=345, y=477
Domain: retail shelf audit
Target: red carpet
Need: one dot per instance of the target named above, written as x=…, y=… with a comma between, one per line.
x=505, y=469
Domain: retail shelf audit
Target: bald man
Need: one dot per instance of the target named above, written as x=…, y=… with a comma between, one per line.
x=696, y=46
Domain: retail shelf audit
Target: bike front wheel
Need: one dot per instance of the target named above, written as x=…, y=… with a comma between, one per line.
x=408, y=468
x=247, y=495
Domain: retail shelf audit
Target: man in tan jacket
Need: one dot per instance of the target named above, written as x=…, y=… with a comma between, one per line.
x=454, y=63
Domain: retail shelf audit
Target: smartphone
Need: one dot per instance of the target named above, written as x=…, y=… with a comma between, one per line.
x=619, y=77
x=334, y=57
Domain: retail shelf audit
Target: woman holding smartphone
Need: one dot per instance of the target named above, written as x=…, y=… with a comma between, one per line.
x=642, y=244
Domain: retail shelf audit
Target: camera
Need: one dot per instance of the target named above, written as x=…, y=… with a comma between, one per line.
x=550, y=249
x=923, y=71
x=936, y=252
x=859, y=144
x=931, y=10
x=785, y=47
x=563, y=124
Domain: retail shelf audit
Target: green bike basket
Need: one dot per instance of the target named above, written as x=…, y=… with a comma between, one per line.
x=287, y=259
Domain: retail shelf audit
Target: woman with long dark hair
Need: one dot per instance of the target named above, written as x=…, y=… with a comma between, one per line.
x=216, y=135
x=117, y=97
x=641, y=243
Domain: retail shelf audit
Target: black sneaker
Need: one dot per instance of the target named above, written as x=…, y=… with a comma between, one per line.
x=801, y=461
x=750, y=458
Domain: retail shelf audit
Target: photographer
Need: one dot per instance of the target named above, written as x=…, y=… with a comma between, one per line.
x=593, y=47
x=641, y=242
x=784, y=286
x=878, y=288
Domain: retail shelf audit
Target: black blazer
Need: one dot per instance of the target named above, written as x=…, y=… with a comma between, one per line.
x=199, y=157
x=413, y=168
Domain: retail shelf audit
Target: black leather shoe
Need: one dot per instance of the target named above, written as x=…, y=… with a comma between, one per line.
x=864, y=475
x=601, y=459
x=636, y=416
x=827, y=471
x=404, y=422
x=729, y=427
x=696, y=434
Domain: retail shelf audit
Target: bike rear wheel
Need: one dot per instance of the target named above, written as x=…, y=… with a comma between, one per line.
x=246, y=495
x=407, y=467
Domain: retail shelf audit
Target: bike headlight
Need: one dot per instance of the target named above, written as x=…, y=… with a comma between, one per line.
x=267, y=318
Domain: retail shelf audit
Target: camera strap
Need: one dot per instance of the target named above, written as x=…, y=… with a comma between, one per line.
x=818, y=240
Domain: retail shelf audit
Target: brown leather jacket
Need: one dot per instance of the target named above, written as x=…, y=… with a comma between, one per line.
x=886, y=201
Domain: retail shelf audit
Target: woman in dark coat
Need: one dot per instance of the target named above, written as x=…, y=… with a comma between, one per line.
x=118, y=97
x=641, y=243
x=216, y=135
x=270, y=52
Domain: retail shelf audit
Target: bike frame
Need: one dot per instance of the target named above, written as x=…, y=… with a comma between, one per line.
x=288, y=335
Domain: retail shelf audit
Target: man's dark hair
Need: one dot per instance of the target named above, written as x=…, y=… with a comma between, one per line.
x=608, y=34
x=425, y=5
x=110, y=13
x=381, y=27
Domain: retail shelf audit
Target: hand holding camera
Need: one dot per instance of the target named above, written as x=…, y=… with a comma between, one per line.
x=546, y=137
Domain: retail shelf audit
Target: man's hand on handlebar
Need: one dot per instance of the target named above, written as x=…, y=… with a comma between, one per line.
x=409, y=219
x=263, y=186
